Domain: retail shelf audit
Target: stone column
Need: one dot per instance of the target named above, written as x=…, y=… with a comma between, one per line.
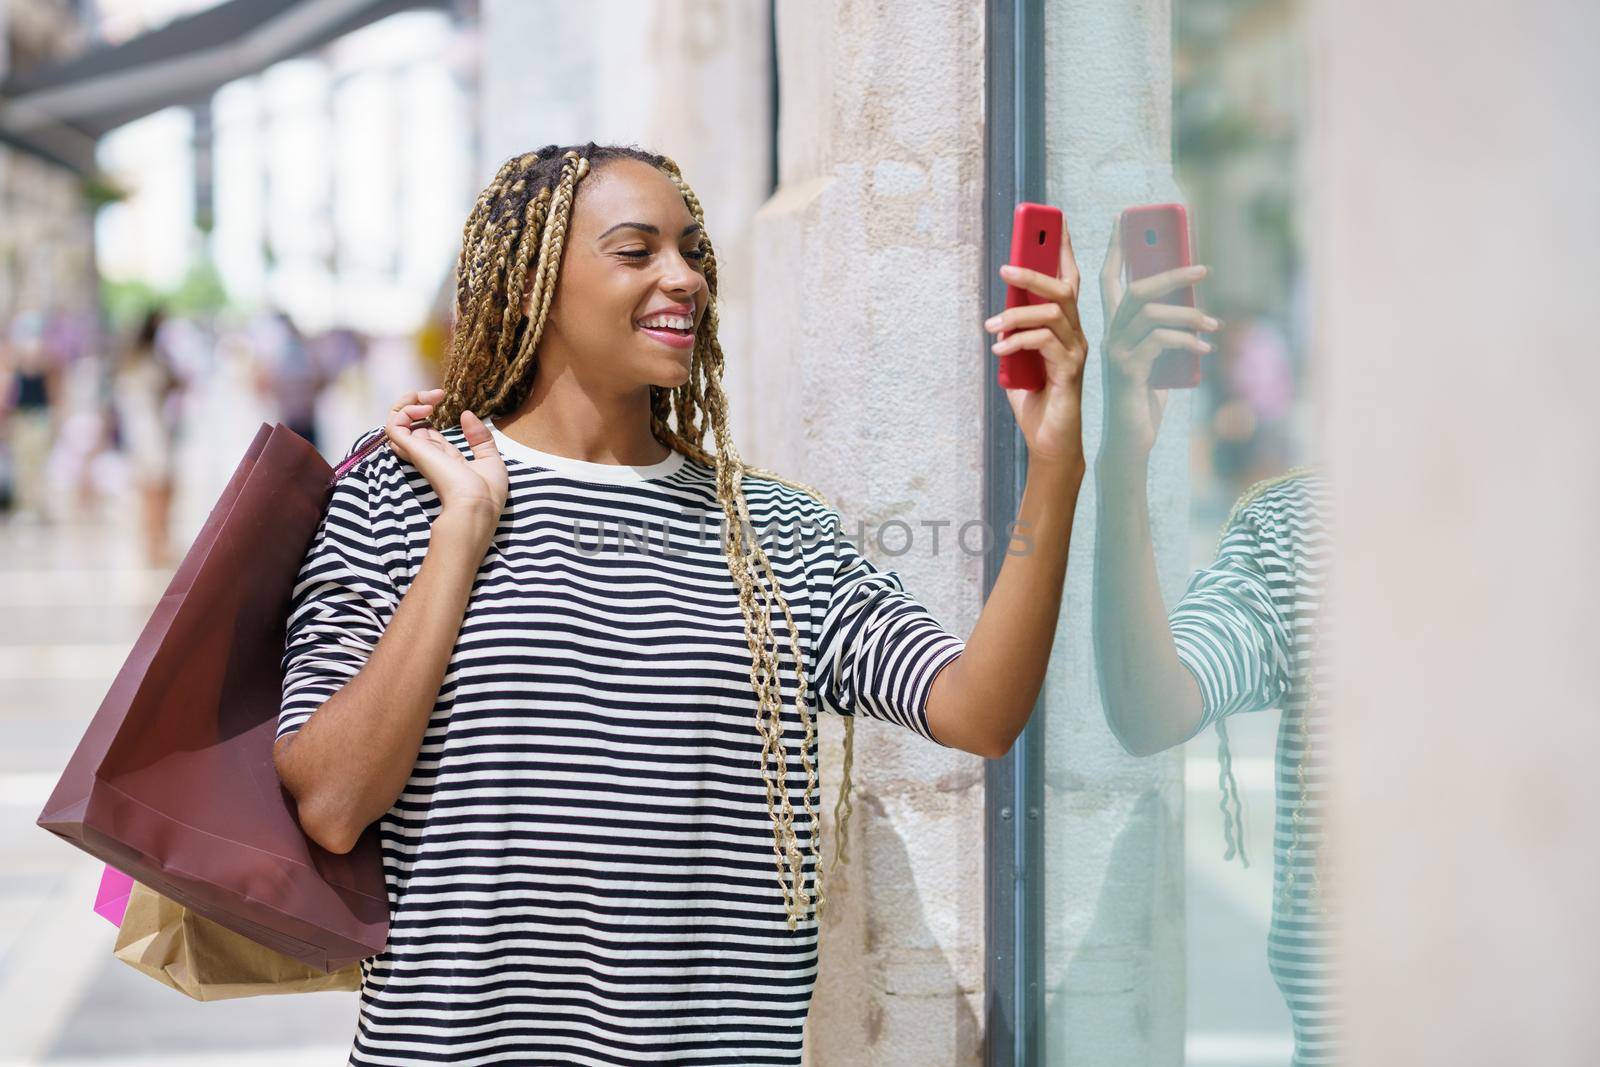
x=537, y=78
x=867, y=371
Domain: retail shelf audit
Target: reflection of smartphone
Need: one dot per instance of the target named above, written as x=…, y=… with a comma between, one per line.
x=1035, y=244
x=1155, y=239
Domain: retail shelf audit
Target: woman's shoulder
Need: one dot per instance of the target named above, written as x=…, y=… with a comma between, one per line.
x=774, y=496
x=1298, y=495
x=777, y=509
x=372, y=469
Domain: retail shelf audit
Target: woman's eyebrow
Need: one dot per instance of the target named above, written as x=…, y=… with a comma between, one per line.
x=647, y=228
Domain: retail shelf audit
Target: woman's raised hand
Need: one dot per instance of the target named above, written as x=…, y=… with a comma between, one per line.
x=476, y=488
x=1051, y=419
x=1138, y=330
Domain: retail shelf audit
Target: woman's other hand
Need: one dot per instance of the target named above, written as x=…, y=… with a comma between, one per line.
x=1051, y=418
x=1138, y=330
x=475, y=489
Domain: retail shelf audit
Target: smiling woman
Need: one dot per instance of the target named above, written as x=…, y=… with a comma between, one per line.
x=591, y=856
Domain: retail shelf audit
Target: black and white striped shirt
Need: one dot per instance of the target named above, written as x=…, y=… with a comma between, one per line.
x=580, y=868
x=1248, y=629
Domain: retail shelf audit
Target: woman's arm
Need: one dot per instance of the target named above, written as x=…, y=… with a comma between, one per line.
x=352, y=758
x=349, y=762
x=1152, y=702
x=981, y=701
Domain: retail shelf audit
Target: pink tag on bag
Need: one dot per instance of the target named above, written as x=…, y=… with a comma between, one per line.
x=112, y=899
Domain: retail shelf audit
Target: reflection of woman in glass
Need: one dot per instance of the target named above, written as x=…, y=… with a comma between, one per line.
x=521, y=644
x=142, y=383
x=1242, y=638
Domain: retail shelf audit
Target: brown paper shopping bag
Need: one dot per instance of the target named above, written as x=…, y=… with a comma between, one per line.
x=206, y=961
x=174, y=781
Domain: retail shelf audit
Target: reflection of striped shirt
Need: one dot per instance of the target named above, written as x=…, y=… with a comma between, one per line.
x=1246, y=629
x=581, y=868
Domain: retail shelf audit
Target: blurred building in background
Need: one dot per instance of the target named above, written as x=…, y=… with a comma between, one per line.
x=47, y=258
x=49, y=287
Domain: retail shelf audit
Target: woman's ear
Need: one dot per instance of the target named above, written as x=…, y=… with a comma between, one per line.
x=527, y=295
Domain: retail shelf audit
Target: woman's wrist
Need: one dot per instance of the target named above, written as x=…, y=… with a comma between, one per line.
x=473, y=524
x=1120, y=457
x=1057, y=468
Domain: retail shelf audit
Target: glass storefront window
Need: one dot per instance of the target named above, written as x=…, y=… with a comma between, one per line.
x=1179, y=724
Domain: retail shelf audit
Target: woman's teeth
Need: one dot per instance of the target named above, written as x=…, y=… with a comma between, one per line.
x=680, y=323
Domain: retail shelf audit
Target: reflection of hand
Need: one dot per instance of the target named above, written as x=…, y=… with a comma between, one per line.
x=1137, y=332
x=476, y=489
x=1051, y=418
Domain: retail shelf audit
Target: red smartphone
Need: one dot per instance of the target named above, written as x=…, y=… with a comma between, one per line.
x=1035, y=244
x=1155, y=238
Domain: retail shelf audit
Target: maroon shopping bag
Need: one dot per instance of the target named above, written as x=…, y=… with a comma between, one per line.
x=174, y=783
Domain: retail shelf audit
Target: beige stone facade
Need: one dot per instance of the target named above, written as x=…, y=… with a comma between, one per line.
x=46, y=225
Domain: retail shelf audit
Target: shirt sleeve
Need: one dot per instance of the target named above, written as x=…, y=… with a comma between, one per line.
x=342, y=601
x=1230, y=632
x=877, y=649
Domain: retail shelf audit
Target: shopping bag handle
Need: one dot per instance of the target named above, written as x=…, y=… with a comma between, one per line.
x=366, y=448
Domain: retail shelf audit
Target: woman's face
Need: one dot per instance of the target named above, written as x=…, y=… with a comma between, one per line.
x=632, y=254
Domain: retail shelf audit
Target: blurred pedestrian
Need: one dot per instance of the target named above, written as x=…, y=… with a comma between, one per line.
x=289, y=374
x=144, y=386
x=30, y=386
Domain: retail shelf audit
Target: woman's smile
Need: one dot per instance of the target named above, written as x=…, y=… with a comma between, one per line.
x=675, y=338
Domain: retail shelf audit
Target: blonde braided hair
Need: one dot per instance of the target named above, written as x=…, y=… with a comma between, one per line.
x=517, y=228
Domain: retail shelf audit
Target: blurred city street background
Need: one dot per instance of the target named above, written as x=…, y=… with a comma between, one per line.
x=75, y=593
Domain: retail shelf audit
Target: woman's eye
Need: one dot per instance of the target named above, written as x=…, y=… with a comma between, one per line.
x=694, y=254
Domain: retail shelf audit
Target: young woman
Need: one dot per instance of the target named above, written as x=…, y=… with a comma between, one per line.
x=570, y=659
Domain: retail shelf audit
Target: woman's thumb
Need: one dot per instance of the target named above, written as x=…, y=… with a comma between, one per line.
x=478, y=436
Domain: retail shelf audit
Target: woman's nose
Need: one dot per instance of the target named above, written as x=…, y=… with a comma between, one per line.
x=685, y=278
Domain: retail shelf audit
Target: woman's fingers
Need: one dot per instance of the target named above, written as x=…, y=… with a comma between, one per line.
x=1111, y=275
x=479, y=438
x=406, y=409
x=1162, y=338
x=1152, y=315
x=1058, y=311
x=1048, y=344
x=426, y=396
x=1070, y=275
x=1023, y=317
x=412, y=408
x=1023, y=341
x=1054, y=290
x=1028, y=326
x=405, y=420
x=413, y=398
x=1147, y=289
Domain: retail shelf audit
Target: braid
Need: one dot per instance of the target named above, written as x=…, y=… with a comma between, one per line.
x=512, y=245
